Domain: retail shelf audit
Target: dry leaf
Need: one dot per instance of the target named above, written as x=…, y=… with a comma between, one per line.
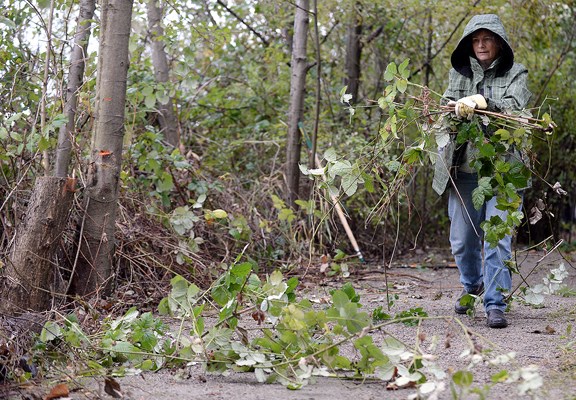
x=58, y=391
x=259, y=316
x=112, y=387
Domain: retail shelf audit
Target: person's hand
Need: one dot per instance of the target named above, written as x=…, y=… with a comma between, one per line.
x=464, y=107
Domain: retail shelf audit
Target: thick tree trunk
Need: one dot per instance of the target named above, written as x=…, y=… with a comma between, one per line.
x=166, y=114
x=353, y=55
x=297, y=90
x=75, y=78
x=29, y=273
x=94, y=269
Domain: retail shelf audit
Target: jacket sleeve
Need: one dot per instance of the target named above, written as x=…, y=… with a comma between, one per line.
x=516, y=94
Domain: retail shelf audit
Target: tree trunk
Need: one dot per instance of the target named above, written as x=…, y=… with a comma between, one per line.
x=297, y=90
x=94, y=269
x=75, y=78
x=29, y=272
x=353, y=54
x=166, y=114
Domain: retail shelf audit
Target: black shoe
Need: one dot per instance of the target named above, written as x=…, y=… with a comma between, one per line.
x=495, y=319
x=463, y=309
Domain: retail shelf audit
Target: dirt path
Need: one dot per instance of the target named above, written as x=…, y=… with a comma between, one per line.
x=543, y=337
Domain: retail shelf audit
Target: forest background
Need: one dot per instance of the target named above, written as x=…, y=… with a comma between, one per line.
x=227, y=103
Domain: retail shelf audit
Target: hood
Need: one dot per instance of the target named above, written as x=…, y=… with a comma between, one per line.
x=461, y=55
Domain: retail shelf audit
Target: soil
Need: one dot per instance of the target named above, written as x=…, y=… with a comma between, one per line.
x=543, y=337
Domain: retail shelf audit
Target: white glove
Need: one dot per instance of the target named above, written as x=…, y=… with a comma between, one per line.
x=465, y=106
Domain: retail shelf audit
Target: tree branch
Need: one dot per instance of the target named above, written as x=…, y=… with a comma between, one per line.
x=247, y=25
x=559, y=62
x=433, y=56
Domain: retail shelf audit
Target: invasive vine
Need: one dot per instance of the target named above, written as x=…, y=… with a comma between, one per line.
x=247, y=324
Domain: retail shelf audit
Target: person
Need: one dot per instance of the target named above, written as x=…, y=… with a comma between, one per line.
x=483, y=76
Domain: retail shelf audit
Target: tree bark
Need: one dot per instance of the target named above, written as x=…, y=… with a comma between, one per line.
x=166, y=115
x=75, y=78
x=29, y=273
x=354, y=54
x=93, y=272
x=299, y=68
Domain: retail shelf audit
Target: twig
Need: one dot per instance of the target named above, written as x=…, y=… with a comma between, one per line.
x=534, y=268
x=516, y=118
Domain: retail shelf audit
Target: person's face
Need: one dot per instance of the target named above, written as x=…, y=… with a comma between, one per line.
x=486, y=47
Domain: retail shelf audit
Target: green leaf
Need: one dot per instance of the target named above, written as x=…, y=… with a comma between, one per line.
x=220, y=214
x=402, y=85
x=518, y=175
x=486, y=150
x=241, y=270
x=403, y=69
x=503, y=134
x=390, y=126
x=43, y=143
x=339, y=168
x=392, y=346
x=463, y=378
x=163, y=307
x=500, y=377
x=414, y=154
x=350, y=292
x=150, y=101
x=330, y=155
x=50, y=331
x=349, y=184
x=502, y=166
x=391, y=71
x=478, y=198
x=147, y=365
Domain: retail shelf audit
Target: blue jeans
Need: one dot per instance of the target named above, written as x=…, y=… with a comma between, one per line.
x=466, y=241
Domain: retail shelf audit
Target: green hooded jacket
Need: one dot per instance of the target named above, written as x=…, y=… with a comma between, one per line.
x=503, y=85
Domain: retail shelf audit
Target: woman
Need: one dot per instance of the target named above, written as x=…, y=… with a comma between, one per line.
x=484, y=76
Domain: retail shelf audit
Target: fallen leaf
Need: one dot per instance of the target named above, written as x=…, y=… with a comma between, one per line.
x=112, y=387
x=58, y=391
x=259, y=316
